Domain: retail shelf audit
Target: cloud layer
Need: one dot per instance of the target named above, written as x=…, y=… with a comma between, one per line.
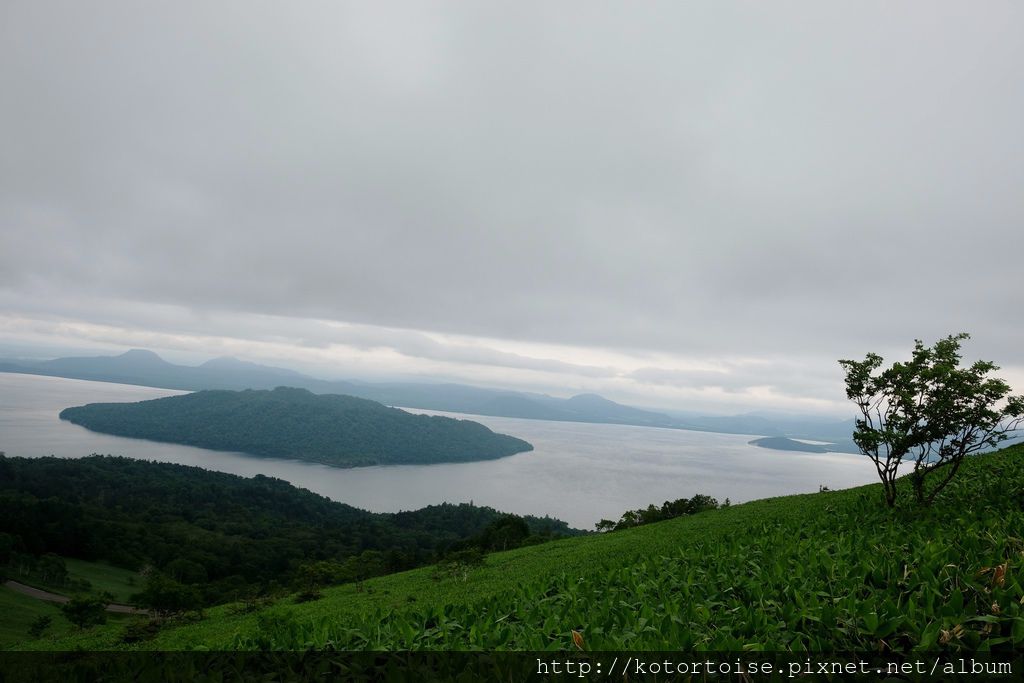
x=653, y=201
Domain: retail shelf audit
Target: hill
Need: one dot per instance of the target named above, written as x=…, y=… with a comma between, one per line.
x=342, y=431
x=225, y=534
x=833, y=571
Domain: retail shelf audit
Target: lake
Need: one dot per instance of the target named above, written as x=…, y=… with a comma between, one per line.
x=577, y=472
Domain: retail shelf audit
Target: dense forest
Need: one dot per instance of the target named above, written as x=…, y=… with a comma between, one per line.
x=227, y=535
x=332, y=429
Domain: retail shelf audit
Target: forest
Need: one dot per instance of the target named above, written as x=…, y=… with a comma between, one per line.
x=228, y=536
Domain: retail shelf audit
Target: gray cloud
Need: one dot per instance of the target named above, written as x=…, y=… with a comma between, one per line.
x=809, y=377
x=802, y=182
x=168, y=321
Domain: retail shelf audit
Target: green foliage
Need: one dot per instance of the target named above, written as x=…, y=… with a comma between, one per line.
x=668, y=510
x=226, y=535
x=40, y=625
x=165, y=596
x=342, y=431
x=86, y=610
x=504, y=533
x=829, y=571
x=186, y=571
x=140, y=630
x=51, y=569
x=930, y=411
x=100, y=576
x=47, y=571
x=18, y=613
x=470, y=557
x=7, y=544
x=460, y=563
x=313, y=576
x=824, y=571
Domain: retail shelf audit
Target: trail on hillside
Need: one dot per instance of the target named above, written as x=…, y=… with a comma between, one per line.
x=57, y=597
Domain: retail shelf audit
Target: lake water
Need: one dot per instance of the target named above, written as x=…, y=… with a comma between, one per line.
x=577, y=472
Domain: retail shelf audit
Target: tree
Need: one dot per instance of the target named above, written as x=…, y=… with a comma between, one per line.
x=186, y=571
x=504, y=533
x=311, y=576
x=86, y=610
x=52, y=569
x=929, y=411
x=166, y=596
x=40, y=625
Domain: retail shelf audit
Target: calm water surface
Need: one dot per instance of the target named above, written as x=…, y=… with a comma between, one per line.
x=577, y=472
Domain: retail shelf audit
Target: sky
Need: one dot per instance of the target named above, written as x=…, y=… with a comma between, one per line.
x=699, y=206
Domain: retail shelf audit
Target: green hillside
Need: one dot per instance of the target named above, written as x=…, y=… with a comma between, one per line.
x=826, y=571
x=343, y=431
x=226, y=537
x=21, y=611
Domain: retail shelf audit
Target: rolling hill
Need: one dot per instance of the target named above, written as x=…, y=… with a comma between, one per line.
x=833, y=571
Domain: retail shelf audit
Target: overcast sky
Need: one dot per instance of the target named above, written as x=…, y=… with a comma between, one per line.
x=686, y=205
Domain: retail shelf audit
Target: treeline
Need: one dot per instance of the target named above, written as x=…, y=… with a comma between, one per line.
x=668, y=510
x=226, y=536
x=502, y=533
x=47, y=569
x=342, y=431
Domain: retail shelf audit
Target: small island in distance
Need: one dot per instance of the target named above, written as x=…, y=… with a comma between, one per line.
x=782, y=443
x=332, y=429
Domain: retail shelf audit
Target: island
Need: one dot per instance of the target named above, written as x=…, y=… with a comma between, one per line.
x=332, y=429
x=783, y=443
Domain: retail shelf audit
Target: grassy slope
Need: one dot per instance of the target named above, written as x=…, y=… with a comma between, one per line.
x=119, y=582
x=833, y=570
x=19, y=611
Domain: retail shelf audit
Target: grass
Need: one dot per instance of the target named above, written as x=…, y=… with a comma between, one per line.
x=19, y=611
x=119, y=582
x=827, y=571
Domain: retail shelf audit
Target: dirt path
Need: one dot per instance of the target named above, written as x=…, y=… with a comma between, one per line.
x=56, y=597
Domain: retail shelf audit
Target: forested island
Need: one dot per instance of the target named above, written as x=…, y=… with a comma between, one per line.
x=782, y=443
x=336, y=430
x=223, y=535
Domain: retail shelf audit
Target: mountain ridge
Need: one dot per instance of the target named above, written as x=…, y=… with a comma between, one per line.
x=145, y=368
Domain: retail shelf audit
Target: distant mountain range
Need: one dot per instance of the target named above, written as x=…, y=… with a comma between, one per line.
x=146, y=368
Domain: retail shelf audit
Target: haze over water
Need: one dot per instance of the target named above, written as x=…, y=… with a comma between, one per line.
x=577, y=472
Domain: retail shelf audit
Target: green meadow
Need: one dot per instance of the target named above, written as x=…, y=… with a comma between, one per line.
x=20, y=611
x=100, y=577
